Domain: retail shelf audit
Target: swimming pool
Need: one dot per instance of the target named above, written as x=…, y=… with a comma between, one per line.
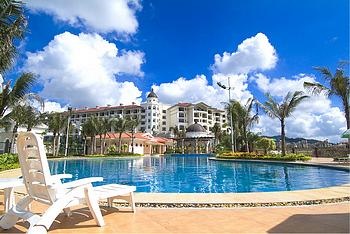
x=198, y=174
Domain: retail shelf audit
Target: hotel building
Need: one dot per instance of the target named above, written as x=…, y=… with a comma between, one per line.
x=156, y=117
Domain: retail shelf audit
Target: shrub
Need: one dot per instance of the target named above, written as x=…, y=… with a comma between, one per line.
x=8, y=161
x=255, y=156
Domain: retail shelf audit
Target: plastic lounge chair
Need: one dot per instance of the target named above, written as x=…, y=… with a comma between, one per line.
x=43, y=187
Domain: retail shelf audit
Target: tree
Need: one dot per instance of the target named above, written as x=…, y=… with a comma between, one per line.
x=216, y=130
x=283, y=110
x=131, y=125
x=10, y=97
x=57, y=123
x=89, y=128
x=266, y=144
x=120, y=125
x=243, y=120
x=13, y=25
x=103, y=126
x=338, y=85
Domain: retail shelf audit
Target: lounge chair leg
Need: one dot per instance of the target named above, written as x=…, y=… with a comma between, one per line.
x=92, y=203
x=67, y=211
x=109, y=202
x=10, y=218
x=132, y=202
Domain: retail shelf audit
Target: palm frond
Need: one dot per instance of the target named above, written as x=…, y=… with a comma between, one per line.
x=316, y=88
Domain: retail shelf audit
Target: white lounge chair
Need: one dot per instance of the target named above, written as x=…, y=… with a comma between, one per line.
x=43, y=187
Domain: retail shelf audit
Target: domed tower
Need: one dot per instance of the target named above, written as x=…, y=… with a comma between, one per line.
x=152, y=113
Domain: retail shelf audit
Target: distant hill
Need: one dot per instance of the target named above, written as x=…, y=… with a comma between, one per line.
x=294, y=140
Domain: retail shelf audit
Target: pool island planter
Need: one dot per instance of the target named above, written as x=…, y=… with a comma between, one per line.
x=338, y=167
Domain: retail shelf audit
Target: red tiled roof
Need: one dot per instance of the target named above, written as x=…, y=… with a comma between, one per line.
x=138, y=135
x=103, y=108
x=184, y=104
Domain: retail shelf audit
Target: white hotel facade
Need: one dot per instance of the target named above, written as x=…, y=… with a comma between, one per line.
x=156, y=117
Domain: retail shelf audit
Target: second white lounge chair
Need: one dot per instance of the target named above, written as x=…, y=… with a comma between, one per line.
x=43, y=187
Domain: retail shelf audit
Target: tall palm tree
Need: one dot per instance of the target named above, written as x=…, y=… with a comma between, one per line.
x=283, y=110
x=338, y=85
x=120, y=125
x=243, y=119
x=13, y=25
x=89, y=128
x=248, y=119
x=103, y=126
x=57, y=123
x=9, y=97
x=131, y=125
x=216, y=130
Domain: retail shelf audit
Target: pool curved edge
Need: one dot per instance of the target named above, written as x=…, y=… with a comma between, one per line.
x=314, y=164
x=335, y=194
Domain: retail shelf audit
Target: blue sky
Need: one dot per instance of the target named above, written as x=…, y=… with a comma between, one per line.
x=111, y=52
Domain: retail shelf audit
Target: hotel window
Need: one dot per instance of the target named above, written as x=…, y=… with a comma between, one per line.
x=164, y=111
x=164, y=123
x=163, y=117
x=154, y=114
x=181, y=120
x=149, y=108
x=181, y=109
x=112, y=112
x=196, y=114
x=163, y=129
x=181, y=127
x=154, y=120
x=149, y=114
x=154, y=107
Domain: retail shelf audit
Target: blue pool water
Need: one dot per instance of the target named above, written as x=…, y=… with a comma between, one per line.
x=198, y=174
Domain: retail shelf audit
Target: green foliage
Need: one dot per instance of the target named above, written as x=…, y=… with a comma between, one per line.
x=112, y=149
x=8, y=161
x=255, y=156
x=266, y=144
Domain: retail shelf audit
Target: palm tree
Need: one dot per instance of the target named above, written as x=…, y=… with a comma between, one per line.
x=248, y=120
x=9, y=97
x=120, y=125
x=338, y=85
x=216, y=130
x=131, y=125
x=103, y=126
x=57, y=123
x=242, y=120
x=89, y=128
x=283, y=110
x=13, y=25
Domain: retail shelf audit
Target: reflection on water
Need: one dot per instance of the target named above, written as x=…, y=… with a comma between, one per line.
x=198, y=174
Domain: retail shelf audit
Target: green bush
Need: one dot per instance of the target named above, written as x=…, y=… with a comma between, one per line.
x=255, y=156
x=8, y=161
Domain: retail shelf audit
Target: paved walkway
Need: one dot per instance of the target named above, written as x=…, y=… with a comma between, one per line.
x=330, y=218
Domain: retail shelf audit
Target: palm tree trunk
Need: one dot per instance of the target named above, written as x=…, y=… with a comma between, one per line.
x=54, y=144
x=120, y=142
x=58, y=144
x=132, y=142
x=283, y=138
x=84, y=150
x=14, y=130
x=101, y=148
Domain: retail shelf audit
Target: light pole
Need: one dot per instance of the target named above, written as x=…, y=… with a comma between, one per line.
x=229, y=100
x=67, y=133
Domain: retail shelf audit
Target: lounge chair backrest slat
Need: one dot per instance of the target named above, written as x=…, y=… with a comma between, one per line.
x=35, y=167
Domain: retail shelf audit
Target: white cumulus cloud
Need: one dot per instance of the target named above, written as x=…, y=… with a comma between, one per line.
x=314, y=118
x=198, y=90
x=99, y=15
x=255, y=53
x=81, y=70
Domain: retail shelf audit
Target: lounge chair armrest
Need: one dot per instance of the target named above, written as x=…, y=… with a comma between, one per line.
x=81, y=182
x=61, y=176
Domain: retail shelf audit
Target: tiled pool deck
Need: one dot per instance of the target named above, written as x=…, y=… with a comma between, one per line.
x=327, y=211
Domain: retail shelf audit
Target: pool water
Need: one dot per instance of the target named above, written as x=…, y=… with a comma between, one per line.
x=198, y=174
